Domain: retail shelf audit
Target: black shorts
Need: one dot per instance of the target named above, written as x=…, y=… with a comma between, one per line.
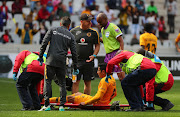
x=85, y=70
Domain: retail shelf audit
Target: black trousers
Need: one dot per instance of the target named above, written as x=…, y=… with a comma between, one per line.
x=57, y=73
x=26, y=88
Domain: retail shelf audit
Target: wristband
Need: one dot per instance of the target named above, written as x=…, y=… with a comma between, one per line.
x=94, y=55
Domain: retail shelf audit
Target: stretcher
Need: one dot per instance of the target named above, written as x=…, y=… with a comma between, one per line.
x=90, y=107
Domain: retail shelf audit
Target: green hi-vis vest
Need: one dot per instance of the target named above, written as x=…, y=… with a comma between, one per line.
x=28, y=60
x=163, y=74
x=132, y=64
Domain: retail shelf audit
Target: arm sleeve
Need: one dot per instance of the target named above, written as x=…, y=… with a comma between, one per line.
x=150, y=90
x=73, y=52
x=45, y=41
x=141, y=41
x=114, y=61
x=19, y=60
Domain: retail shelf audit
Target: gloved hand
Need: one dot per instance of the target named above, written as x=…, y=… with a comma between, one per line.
x=41, y=61
x=76, y=72
x=150, y=106
x=106, y=79
x=14, y=76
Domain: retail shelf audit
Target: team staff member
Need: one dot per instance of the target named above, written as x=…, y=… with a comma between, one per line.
x=112, y=40
x=162, y=82
x=139, y=69
x=148, y=40
x=106, y=91
x=86, y=38
x=60, y=40
x=31, y=74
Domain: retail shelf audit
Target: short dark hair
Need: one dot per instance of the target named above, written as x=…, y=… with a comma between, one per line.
x=65, y=21
x=148, y=27
x=102, y=66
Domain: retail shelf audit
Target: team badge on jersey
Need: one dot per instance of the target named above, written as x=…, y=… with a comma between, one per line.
x=78, y=32
x=107, y=34
x=82, y=40
x=88, y=34
x=116, y=29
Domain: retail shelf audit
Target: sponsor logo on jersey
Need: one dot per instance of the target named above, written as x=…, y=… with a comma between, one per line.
x=82, y=40
x=78, y=32
x=107, y=34
x=54, y=32
x=88, y=34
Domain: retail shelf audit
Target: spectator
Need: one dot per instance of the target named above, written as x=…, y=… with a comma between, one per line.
x=109, y=13
x=6, y=37
x=22, y=2
x=29, y=19
x=4, y=10
x=151, y=7
x=135, y=27
x=38, y=6
x=152, y=19
x=93, y=6
x=52, y=17
x=56, y=2
x=171, y=11
x=63, y=12
x=123, y=24
x=71, y=7
x=1, y=21
x=16, y=8
x=43, y=29
x=49, y=7
x=129, y=8
x=95, y=14
x=177, y=44
x=162, y=32
x=43, y=14
x=44, y=2
x=26, y=33
x=86, y=11
x=111, y=4
x=33, y=4
x=82, y=8
x=141, y=7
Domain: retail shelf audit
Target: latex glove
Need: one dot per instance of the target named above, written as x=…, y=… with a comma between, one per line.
x=76, y=72
x=106, y=79
x=14, y=76
x=40, y=61
x=150, y=106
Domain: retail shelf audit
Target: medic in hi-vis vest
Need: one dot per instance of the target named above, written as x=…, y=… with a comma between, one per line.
x=32, y=72
x=163, y=81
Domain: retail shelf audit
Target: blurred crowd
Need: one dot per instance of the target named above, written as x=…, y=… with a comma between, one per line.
x=132, y=16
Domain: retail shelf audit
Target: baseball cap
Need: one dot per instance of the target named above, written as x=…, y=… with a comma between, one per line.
x=86, y=17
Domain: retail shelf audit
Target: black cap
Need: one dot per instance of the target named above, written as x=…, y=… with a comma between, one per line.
x=86, y=17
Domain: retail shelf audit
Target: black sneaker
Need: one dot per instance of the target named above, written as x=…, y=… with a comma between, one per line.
x=27, y=109
x=168, y=106
x=115, y=106
x=135, y=109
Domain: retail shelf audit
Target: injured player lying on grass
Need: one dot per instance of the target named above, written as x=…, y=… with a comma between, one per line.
x=106, y=92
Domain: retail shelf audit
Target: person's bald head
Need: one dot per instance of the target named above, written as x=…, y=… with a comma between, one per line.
x=102, y=19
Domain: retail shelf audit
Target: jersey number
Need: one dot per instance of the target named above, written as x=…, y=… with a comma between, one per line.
x=153, y=47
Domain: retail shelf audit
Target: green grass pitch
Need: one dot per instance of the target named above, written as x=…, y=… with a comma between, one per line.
x=10, y=105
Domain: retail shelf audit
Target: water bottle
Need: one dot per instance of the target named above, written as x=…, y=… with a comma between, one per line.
x=74, y=78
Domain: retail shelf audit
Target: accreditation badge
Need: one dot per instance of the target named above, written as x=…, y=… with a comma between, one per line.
x=107, y=34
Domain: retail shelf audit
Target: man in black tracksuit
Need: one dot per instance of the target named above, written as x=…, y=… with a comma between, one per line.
x=59, y=39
